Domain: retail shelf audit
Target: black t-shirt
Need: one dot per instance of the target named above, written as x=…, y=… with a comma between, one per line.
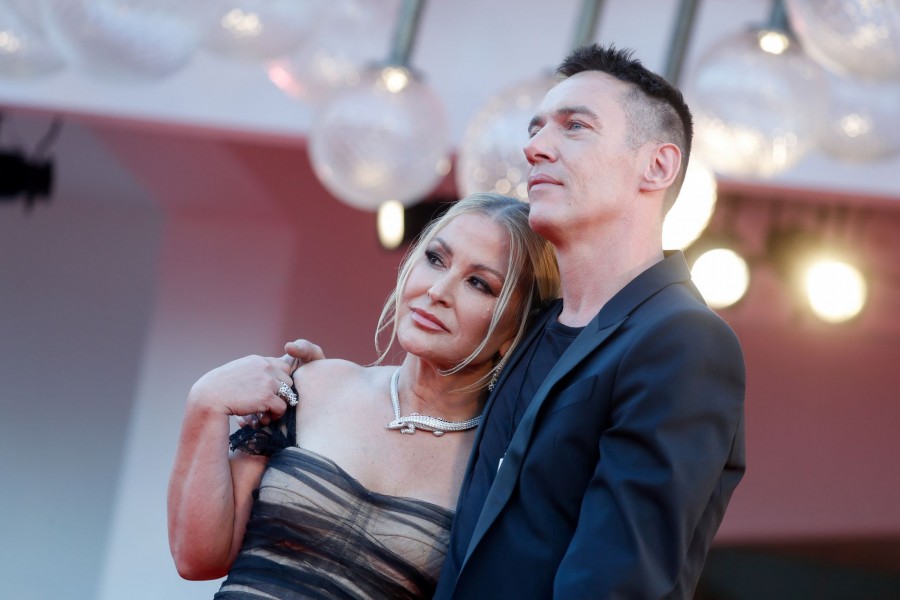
x=510, y=404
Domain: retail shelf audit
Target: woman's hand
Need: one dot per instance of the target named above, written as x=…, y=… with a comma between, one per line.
x=303, y=351
x=244, y=387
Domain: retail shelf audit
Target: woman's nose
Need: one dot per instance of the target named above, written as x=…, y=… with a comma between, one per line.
x=439, y=292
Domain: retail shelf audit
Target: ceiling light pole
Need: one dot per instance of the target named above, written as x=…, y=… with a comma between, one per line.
x=681, y=35
x=405, y=31
x=586, y=25
x=386, y=138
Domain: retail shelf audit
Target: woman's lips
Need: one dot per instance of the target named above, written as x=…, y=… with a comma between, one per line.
x=425, y=319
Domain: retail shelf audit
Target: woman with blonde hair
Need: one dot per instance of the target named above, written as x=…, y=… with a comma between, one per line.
x=343, y=500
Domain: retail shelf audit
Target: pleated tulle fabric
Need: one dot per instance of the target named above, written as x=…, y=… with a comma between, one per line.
x=316, y=532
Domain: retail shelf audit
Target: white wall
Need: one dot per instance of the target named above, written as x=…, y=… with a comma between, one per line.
x=113, y=303
x=161, y=255
x=76, y=295
x=214, y=304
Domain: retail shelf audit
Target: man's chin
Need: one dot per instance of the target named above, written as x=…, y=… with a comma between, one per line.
x=542, y=224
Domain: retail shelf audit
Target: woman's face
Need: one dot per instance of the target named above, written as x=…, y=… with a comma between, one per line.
x=450, y=294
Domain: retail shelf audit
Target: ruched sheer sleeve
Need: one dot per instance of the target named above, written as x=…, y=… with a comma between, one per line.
x=268, y=439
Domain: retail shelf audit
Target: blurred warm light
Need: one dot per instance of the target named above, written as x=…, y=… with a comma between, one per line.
x=9, y=42
x=395, y=79
x=773, y=42
x=242, y=24
x=722, y=276
x=391, y=224
x=443, y=166
x=695, y=205
x=836, y=290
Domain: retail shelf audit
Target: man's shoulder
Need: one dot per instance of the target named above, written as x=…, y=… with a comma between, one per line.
x=677, y=312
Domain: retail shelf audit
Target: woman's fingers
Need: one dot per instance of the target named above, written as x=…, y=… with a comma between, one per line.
x=304, y=351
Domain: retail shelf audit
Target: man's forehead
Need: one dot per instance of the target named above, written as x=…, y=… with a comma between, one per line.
x=588, y=88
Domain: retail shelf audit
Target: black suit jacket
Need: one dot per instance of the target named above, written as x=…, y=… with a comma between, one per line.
x=618, y=475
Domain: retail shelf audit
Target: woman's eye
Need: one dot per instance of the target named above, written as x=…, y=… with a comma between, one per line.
x=481, y=285
x=433, y=258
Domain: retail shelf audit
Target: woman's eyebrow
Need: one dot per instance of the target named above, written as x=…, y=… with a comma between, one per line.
x=444, y=246
x=477, y=266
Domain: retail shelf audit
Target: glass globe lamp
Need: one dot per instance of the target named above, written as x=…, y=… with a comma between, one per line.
x=24, y=50
x=757, y=104
x=863, y=119
x=350, y=36
x=694, y=207
x=491, y=155
x=259, y=29
x=124, y=40
x=856, y=37
x=384, y=139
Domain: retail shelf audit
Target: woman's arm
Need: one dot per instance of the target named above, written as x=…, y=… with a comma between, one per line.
x=209, y=497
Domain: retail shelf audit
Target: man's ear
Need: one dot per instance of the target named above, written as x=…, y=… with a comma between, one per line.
x=662, y=168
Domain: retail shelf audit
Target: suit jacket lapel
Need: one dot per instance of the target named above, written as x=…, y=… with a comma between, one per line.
x=533, y=332
x=536, y=328
x=504, y=484
x=673, y=269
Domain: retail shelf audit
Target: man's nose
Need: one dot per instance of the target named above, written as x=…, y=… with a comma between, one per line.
x=540, y=147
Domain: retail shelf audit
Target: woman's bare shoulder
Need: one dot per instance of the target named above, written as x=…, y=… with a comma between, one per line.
x=334, y=374
x=328, y=371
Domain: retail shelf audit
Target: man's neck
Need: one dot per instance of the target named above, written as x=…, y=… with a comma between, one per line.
x=592, y=273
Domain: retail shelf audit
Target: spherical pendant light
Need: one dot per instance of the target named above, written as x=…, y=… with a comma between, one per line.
x=491, y=155
x=757, y=100
x=384, y=139
x=863, y=119
x=350, y=37
x=124, y=40
x=856, y=37
x=260, y=29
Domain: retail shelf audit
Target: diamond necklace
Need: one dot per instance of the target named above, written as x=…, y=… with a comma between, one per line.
x=410, y=423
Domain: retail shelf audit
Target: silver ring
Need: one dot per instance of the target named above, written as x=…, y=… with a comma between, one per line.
x=287, y=394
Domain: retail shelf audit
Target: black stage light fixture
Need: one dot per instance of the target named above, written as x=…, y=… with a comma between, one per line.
x=20, y=176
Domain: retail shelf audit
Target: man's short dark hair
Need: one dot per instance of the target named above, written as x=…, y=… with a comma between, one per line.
x=655, y=109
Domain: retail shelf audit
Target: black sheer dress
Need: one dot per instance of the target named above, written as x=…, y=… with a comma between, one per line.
x=316, y=532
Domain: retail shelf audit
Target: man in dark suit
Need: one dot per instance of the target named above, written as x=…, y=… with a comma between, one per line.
x=614, y=437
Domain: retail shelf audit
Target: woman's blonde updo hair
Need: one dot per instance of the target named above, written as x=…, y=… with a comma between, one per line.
x=532, y=269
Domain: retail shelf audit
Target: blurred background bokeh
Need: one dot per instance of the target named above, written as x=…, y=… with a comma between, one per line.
x=184, y=183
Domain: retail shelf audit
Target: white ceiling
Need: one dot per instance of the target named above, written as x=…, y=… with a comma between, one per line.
x=466, y=49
